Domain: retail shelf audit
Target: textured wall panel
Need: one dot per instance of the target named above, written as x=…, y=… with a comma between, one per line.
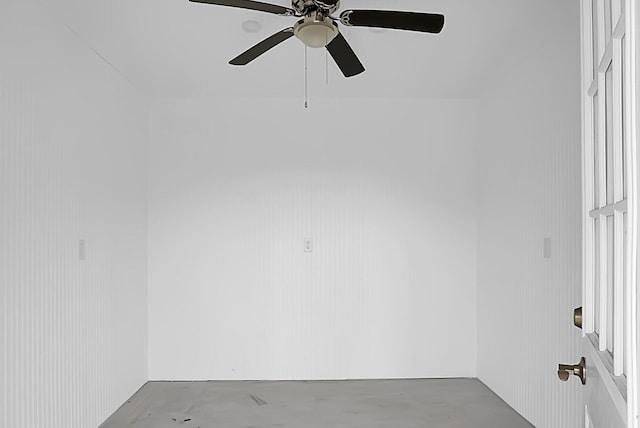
x=529, y=177
x=386, y=192
x=72, y=148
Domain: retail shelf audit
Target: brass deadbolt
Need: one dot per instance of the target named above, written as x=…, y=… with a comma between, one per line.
x=577, y=317
x=579, y=370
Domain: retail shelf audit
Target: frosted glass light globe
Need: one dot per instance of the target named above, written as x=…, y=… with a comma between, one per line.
x=315, y=34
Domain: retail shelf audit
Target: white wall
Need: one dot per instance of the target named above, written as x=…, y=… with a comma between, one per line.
x=529, y=178
x=385, y=188
x=73, y=136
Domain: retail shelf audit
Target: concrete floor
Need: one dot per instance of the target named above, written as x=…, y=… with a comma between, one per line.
x=446, y=403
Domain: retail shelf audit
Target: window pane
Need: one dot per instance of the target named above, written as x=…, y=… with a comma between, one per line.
x=596, y=154
x=624, y=121
x=626, y=286
x=594, y=32
x=609, y=134
x=596, y=276
x=608, y=26
x=610, y=278
x=615, y=14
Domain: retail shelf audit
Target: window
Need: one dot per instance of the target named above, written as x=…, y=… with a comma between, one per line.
x=606, y=204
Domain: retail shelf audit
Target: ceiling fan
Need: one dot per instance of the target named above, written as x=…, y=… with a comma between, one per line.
x=318, y=28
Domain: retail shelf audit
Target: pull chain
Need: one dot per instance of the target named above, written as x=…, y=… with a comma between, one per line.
x=306, y=79
x=326, y=61
x=326, y=65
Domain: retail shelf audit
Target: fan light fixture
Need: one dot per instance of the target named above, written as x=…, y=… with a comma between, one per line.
x=315, y=33
x=320, y=27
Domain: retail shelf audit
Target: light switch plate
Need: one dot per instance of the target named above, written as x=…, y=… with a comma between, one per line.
x=547, y=248
x=82, y=250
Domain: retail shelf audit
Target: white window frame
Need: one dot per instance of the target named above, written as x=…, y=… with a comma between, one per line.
x=623, y=387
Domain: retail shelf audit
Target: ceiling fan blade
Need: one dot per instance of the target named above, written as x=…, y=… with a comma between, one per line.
x=412, y=21
x=250, y=4
x=269, y=43
x=345, y=57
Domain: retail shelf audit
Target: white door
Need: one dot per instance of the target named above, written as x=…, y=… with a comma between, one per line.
x=609, y=246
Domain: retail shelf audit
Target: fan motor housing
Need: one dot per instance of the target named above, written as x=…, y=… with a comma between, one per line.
x=306, y=7
x=328, y=5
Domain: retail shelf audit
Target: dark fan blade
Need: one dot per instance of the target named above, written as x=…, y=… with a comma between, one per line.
x=253, y=53
x=253, y=5
x=345, y=57
x=425, y=22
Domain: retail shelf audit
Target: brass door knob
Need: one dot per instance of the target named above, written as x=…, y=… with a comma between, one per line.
x=579, y=370
x=577, y=317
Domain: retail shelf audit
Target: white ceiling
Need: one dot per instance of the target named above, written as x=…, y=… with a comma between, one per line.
x=175, y=48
